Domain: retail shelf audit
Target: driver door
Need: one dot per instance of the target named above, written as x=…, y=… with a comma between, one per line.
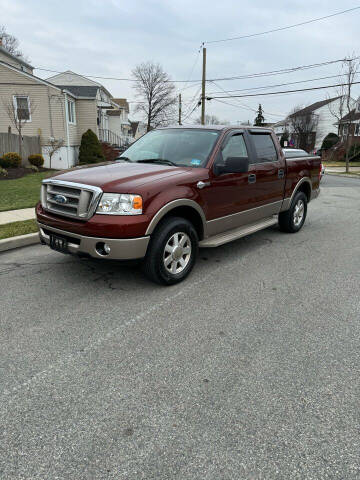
x=229, y=193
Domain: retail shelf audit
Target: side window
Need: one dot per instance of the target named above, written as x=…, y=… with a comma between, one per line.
x=235, y=147
x=264, y=147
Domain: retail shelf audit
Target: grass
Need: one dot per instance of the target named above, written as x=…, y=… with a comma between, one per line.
x=341, y=164
x=14, y=229
x=22, y=192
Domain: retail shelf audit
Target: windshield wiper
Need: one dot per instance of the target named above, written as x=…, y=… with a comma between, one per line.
x=158, y=160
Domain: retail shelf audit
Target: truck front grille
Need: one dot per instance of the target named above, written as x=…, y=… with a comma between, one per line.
x=70, y=199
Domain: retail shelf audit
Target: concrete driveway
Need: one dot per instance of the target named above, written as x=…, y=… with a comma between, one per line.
x=248, y=370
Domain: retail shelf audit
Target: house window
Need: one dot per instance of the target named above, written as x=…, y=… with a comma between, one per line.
x=71, y=111
x=357, y=129
x=22, y=108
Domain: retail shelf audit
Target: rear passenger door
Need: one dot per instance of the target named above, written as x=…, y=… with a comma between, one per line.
x=268, y=172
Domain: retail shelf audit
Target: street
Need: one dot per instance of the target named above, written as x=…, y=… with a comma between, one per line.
x=247, y=370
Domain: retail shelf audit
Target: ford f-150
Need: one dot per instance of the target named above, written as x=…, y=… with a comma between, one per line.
x=174, y=190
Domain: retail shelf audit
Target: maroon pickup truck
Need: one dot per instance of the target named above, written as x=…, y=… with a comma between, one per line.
x=174, y=190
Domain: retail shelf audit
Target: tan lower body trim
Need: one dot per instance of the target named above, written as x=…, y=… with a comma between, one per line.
x=219, y=225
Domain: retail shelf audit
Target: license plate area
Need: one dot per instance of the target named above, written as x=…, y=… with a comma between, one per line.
x=60, y=244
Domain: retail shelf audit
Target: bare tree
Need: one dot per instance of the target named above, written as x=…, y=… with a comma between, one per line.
x=345, y=106
x=210, y=120
x=19, y=115
x=53, y=147
x=303, y=124
x=10, y=43
x=156, y=93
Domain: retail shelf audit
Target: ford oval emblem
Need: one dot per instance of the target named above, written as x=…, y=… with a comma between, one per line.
x=60, y=199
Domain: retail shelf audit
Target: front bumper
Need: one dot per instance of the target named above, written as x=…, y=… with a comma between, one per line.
x=120, y=249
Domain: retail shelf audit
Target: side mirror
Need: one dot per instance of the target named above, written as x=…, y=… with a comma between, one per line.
x=233, y=165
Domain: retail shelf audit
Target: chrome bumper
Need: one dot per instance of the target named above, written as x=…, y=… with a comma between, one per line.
x=120, y=249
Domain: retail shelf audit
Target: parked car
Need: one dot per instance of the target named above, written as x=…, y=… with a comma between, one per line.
x=174, y=190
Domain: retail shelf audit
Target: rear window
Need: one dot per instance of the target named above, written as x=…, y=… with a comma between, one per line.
x=264, y=147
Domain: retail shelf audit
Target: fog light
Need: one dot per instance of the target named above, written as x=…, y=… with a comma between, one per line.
x=103, y=248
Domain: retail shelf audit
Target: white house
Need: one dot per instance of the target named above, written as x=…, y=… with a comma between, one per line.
x=322, y=116
x=119, y=120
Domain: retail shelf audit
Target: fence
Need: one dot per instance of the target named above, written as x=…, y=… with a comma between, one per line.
x=9, y=142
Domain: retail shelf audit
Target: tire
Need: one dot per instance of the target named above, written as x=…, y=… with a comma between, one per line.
x=293, y=219
x=172, y=251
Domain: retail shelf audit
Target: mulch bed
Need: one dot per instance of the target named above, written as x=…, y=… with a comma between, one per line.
x=14, y=173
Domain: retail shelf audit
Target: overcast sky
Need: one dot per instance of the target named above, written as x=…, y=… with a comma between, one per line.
x=110, y=37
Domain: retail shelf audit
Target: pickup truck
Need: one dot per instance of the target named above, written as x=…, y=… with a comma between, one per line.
x=174, y=190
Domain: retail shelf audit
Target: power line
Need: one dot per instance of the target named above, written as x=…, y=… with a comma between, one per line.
x=238, y=77
x=285, y=91
x=280, y=84
x=283, y=71
x=282, y=28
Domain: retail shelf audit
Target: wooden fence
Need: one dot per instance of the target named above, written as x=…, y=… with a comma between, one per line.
x=9, y=142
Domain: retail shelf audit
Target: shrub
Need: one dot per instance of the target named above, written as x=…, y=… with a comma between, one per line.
x=37, y=160
x=3, y=172
x=329, y=141
x=10, y=160
x=90, y=149
x=34, y=168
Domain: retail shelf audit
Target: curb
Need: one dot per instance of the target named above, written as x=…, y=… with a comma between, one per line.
x=338, y=174
x=20, y=241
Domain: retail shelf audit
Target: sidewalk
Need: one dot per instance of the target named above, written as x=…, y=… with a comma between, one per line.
x=17, y=215
x=342, y=169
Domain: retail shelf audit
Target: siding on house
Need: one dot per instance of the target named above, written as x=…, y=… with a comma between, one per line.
x=86, y=112
x=326, y=122
x=4, y=57
x=47, y=106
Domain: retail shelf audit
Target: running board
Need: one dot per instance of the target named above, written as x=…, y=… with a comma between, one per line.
x=236, y=233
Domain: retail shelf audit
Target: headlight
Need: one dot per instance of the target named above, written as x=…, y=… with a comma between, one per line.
x=120, y=204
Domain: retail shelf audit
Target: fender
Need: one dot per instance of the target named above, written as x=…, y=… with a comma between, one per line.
x=180, y=202
x=287, y=201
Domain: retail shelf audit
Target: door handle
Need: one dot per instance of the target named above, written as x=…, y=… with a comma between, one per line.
x=252, y=178
x=202, y=184
x=281, y=173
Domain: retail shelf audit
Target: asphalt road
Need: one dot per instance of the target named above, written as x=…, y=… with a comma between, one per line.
x=247, y=370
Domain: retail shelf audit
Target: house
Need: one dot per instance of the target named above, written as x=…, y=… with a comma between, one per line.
x=138, y=129
x=309, y=126
x=60, y=108
x=46, y=110
x=96, y=100
x=119, y=120
x=351, y=123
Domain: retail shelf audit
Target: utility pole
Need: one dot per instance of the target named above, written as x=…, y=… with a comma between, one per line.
x=203, y=88
x=179, y=108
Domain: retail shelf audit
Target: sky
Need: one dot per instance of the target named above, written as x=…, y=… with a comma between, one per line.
x=110, y=37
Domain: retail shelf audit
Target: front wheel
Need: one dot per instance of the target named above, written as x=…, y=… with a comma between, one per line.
x=172, y=251
x=293, y=219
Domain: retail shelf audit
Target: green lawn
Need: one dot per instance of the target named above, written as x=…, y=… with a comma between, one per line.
x=22, y=192
x=14, y=229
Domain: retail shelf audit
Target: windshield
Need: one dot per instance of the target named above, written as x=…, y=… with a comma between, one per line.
x=179, y=147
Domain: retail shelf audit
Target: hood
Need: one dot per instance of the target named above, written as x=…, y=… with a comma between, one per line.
x=121, y=177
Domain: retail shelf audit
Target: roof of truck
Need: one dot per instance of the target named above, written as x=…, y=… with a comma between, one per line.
x=219, y=127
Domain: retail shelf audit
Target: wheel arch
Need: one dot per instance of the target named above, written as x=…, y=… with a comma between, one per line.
x=185, y=208
x=303, y=185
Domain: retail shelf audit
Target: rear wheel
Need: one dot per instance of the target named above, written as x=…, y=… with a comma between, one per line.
x=293, y=219
x=172, y=251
